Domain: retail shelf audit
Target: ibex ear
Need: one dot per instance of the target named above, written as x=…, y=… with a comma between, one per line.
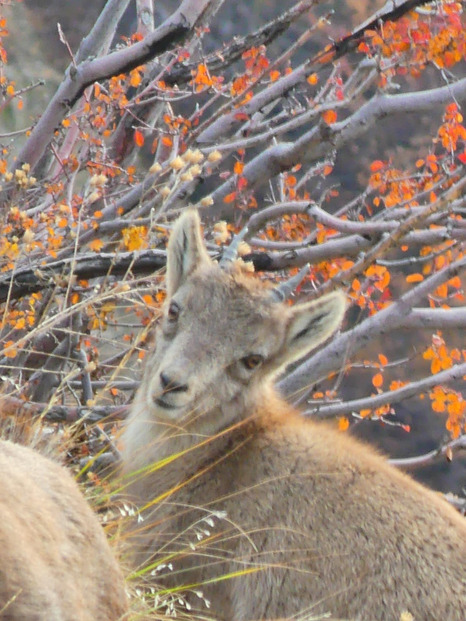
x=310, y=324
x=186, y=250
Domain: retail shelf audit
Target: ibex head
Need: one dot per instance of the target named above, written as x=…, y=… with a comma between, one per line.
x=223, y=334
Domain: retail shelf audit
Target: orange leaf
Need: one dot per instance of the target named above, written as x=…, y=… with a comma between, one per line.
x=138, y=137
x=438, y=406
x=377, y=165
x=415, y=278
x=238, y=168
x=377, y=380
x=383, y=359
x=329, y=116
x=229, y=198
x=455, y=282
x=148, y=299
x=96, y=245
x=442, y=290
x=9, y=350
x=327, y=170
x=343, y=423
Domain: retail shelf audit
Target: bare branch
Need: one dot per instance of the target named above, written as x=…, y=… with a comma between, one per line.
x=419, y=460
x=12, y=406
x=103, y=30
x=145, y=12
x=28, y=280
x=435, y=318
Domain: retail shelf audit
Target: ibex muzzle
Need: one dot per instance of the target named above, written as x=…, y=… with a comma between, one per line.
x=268, y=514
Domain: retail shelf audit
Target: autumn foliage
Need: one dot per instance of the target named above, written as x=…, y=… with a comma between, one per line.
x=253, y=135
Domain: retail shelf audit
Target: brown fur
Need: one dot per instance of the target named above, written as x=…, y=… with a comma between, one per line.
x=316, y=521
x=55, y=563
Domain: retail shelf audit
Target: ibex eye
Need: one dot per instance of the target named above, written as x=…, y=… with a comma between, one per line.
x=173, y=311
x=252, y=361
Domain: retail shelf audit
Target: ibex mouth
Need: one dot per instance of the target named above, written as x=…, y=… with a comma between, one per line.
x=163, y=404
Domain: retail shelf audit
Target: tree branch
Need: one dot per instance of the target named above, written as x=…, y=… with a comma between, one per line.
x=373, y=402
x=331, y=357
x=24, y=281
x=12, y=406
x=419, y=460
x=221, y=59
x=78, y=78
x=350, y=247
x=322, y=139
x=228, y=122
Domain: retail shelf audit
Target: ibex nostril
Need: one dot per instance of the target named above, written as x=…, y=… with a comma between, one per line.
x=164, y=380
x=171, y=385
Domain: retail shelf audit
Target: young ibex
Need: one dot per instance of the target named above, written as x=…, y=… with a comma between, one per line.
x=55, y=563
x=304, y=518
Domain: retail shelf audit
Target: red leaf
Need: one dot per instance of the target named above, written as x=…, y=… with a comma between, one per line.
x=242, y=183
x=377, y=165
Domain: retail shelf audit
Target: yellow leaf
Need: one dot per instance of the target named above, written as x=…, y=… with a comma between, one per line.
x=343, y=423
x=135, y=238
x=9, y=349
x=96, y=245
x=414, y=278
x=20, y=324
